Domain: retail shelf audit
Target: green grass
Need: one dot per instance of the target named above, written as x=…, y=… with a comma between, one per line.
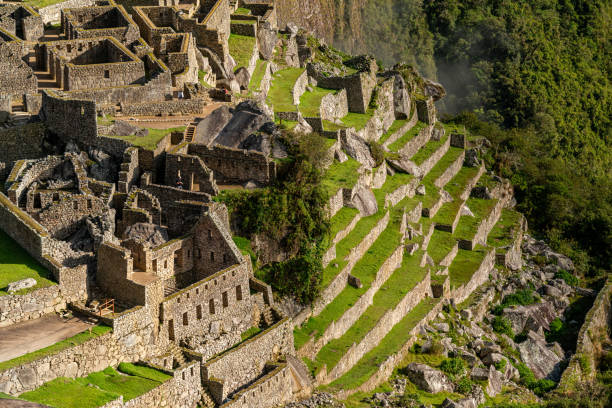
x=444, y=163
x=341, y=220
x=258, y=74
x=440, y=245
x=280, y=96
x=403, y=279
x=406, y=137
x=201, y=75
x=393, y=183
x=448, y=212
x=42, y=3
x=341, y=175
x=96, y=331
x=357, y=120
x=467, y=226
x=98, y=388
x=365, y=269
x=458, y=183
x=242, y=11
x=150, y=141
x=250, y=332
x=503, y=233
x=395, y=126
x=241, y=49
x=244, y=245
x=465, y=264
x=426, y=151
x=391, y=343
x=16, y=264
x=310, y=102
x=246, y=22
x=432, y=194
x=331, y=126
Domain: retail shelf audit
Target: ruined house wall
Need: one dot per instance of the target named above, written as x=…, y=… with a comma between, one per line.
x=273, y=389
x=52, y=13
x=194, y=174
x=247, y=361
x=219, y=302
x=176, y=107
x=70, y=119
x=235, y=166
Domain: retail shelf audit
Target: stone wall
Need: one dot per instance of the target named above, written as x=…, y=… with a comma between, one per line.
x=235, y=166
x=241, y=28
x=415, y=144
x=330, y=254
x=480, y=276
x=272, y=390
x=338, y=327
x=162, y=108
x=594, y=330
x=70, y=119
x=246, y=362
x=359, y=86
x=23, y=142
x=450, y=172
x=193, y=173
x=431, y=161
x=52, y=13
x=339, y=282
x=406, y=190
x=334, y=105
x=401, y=131
x=299, y=87
x=421, y=291
x=512, y=257
x=335, y=203
x=130, y=171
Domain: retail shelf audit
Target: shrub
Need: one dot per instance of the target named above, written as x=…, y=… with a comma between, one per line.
x=541, y=387
x=453, y=367
x=436, y=348
x=464, y=386
x=502, y=325
x=520, y=297
x=501, y=365
x=567, y=277
x=378, y=153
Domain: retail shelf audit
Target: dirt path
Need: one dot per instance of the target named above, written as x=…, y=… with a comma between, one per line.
x=32, y=335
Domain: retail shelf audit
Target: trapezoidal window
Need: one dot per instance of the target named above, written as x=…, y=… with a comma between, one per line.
x=106, y=73
x=225, y=300
x=185, y=319
x=199, y=312
x=211, y=306
x=238, y=293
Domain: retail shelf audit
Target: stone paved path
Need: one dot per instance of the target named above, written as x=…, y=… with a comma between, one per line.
x=32, y=335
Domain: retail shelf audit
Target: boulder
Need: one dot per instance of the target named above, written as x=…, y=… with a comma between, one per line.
x=441, y=327
x=364, y=200
x=248, y=117
x=354, y=281
x=465, y=211
x=420, y=190
x=405, y=165
x=471, y=158
x=243, y=77
x=540, y=357
x=434, y=89
x=151, y=234
x=438, y=133
x=427, y=378
x=340, y=155
x=401, y=98
x=209, y=127
x=481, y=192
x=531, y=317
x=358, y=149
x=292, y=29
x=479, y=374
x=267, y=37
x=494, y=386
x=21, y=284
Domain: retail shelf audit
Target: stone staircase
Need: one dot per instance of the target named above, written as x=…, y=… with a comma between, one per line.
x=177, y=353
x=268, y=317
x=206, y=400
x=190, y=133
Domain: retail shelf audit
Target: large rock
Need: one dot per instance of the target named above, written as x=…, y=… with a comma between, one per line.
x=364, y=200
x=401, y=97
x=267, y=37
x=434, y=89
x=540, y=357
x=358, y=149
x=494, y=386
x=209, y=127
x=532, y=317
x=405, y=165
x=427, y=378
x=141, y=232
x=248, y=117
x=471, y=158
x=21, y=284
x=243, y=77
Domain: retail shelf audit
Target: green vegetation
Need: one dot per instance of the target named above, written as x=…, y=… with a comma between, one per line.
x=341, y=175
x=408, y=136
x=310, y=101
x=16, y=264
x=440, y=245
x=98, y=388
x=453, y=367
x=150, y=141
x=42, y=3
x=390, y=344
x=290, y=212
x=503, y=234
x=280, y=96
x=341, y=220
x=464, y=265
x=357, y=120
x=250, y=332
x=201, y=75
x=258, y=74
x=444, y=163
x=395, y=126
x=521, y=297
x=241, y=49
x=241, y=11
x=428, y=150
x=502, y=325
x=567, y=277
x=467, y=226
x=244, y=245
x=75, y=340
x=539, y=387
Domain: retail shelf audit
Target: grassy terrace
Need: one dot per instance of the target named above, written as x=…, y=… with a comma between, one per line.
x=341, y=175
x=458, y=183
x=430, y=147
x=150, y=141
x=444, y=163
x=280, y=96
x=341, y=220
x=241, y=11
x=98, y=388
x=258, y=74
x=310, y=102
x=465, y=264
x=408, y=136
x=16, y=264
x=402, y=281
x=42, y=3
x=432, y=194
x=241, y=49
x=331, y=126
x=440, y=245
x=503, y=233
x=395, y=126
x=467, y=226
x=357, y=120
x=365, y=269
x=390, y=344
x=75, y=340
x=447, y=213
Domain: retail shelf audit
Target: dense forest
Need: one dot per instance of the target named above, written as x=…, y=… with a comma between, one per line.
x=534, y=77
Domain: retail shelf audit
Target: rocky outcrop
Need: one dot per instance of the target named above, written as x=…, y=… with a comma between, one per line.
x=427, y=378
x=533, y=317
x=541, y=357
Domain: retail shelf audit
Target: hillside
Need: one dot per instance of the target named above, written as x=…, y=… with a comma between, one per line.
x=537, y=70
